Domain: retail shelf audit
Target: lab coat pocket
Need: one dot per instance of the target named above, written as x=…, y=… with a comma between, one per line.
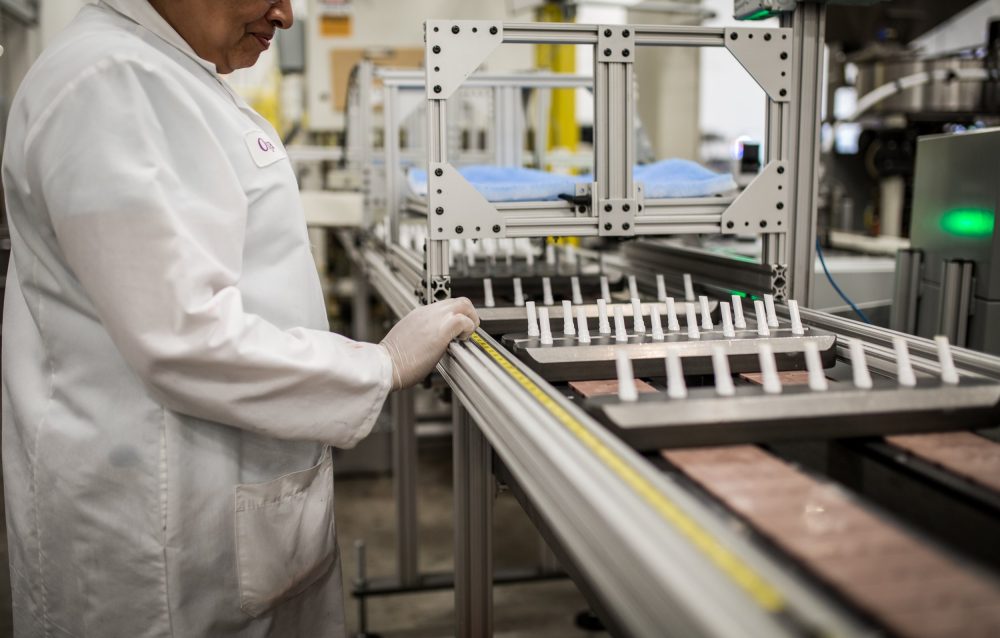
x=285, y=537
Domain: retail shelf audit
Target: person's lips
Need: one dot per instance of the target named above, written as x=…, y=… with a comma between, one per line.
x=264, y=39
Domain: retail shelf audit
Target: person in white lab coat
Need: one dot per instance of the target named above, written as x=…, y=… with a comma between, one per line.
x=170, y=384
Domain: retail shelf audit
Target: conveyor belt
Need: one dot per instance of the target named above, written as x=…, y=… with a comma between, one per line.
x=966, y=454
x=911, y=588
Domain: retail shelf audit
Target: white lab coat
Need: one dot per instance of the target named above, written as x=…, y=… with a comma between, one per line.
x=170, y=385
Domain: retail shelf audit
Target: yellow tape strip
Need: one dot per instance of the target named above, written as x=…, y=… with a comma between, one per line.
x=761, y=591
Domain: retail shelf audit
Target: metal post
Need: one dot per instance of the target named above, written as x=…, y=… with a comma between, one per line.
x=808, y=23
x=473, y=485
x=903, y=317
x=360, y=583
x=390, y=142
x=404, y=458
x=956, y=301
x=360, y=316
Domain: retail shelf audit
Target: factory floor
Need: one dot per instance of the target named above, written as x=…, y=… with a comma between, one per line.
x=365, y=510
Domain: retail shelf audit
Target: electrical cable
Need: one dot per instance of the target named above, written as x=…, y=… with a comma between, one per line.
x=829, y=277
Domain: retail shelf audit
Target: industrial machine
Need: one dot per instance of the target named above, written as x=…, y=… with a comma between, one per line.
x=948, y=281
x=703, y=454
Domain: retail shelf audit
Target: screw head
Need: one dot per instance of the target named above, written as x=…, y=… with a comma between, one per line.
x=626, y=33
x=455, y=29
x=733, y=35
x=437, y=88
x=781, y=205
x=438, y=172
x=439, y=210
x=496, y=228
x=782, y=92
x=784, y=56
x=625, y=226
x=730, y=224
x=625, y=207
x=767, y=36
x=459, y=230
x=607, y=226
x=436, y=49
x=607, y=53
x=625, y=53
x=493, y=30
x=781, y=169
x=607, y=208
x=763, y=223
x=607, y=33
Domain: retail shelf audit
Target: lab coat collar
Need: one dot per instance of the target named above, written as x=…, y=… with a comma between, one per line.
x=143, y=14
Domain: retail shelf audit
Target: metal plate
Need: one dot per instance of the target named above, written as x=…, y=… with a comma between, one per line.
x=655, y=422
x=567, y=360
x=512, y=320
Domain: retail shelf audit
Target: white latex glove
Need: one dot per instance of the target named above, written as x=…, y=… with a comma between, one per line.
x=419, y=340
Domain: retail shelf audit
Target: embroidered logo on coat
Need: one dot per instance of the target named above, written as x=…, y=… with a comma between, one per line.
x=263, y=151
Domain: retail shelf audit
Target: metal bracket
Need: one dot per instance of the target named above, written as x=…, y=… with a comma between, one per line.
x=616, y=217
x=766, y=54
x=456, y=210
x=454, y=49
x=762, y=206
x=779, y=281
x=615, y=43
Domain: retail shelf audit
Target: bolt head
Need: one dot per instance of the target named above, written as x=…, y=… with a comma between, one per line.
x=781, y=205
x=607, y=33
x=438, y=172
x=625, y=53
x=439, y=210
x=436, y=49
x=733, y=35
x=626, y=33
x=607, y=208
x=493, y=30
x=455, y=29
x=607, y=53
x=437, y=88
x=730, y=224
x=607, y=226
x=459, y=230
x=625, y=207
x=496, y=228
x=626, y=226
x=784, y=56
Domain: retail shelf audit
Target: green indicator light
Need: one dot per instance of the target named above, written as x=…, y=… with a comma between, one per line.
x=755, y=298
x=968, y=222
x=760, y=15
x=738, y=293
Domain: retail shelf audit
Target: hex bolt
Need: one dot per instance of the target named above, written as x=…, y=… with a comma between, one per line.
x=437, y=88
x=439, y=210
x=455, y=29
x=438, y=172
x=607, y=53
x=607, y=33
x=625, y=207
x=496, y=228
x=436, y=49
x=493, y=30
x=459, y=229
x=625, y=52
x=607, y=208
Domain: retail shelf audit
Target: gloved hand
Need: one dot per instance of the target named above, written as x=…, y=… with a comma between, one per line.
x=419, y=340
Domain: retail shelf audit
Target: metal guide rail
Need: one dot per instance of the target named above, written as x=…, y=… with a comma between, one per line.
x=613, y=205
x=656, y=555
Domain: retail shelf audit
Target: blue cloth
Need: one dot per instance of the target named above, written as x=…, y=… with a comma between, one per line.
x=504, y=184
x=663, y=179
x=680, y=178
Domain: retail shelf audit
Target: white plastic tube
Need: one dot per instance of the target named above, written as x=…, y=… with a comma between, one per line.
x=795, y=317
x=769, y=369
x=706, y=314
x=762, y=329
x=638, y=325
x=547, y=291
x=546, y=328
x=904, y=368
x=676, y=387
x=723, y=377
x=488, y=293
x=692, y=322
x=673, y=324
x=859, y=366
x=574, y=283
x=814, y=366
x=603, y=325
x=727, y=320
x=661, y=288
x=621, y=335
x=605, y=289
x=654, y=322
x=626, y=380
x=633, y=287
x=568, y=327
x=688, y=288
x=772, y=315
x=949, y=374
x=518, y=292
x=739, y=322
x=582, y=329
x=529, y=308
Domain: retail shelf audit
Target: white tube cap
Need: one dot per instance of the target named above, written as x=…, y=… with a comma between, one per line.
x=626, y=380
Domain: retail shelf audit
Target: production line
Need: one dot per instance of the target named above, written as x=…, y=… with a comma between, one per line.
x=628, y=401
